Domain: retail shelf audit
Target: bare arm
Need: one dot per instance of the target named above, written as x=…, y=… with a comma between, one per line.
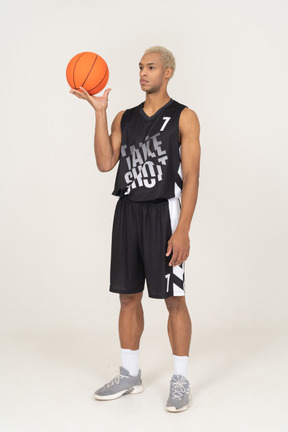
x=190, y=160
x=106, y=148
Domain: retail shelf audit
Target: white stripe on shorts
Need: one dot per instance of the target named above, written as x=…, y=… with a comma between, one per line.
x=174, y=213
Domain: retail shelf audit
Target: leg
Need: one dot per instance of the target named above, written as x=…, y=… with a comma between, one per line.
x=131, y=321
x=179, y=325
x=131, y=324
x=179, y=330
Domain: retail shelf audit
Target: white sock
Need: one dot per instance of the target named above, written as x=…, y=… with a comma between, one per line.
x=130, y=361
x=180, y=365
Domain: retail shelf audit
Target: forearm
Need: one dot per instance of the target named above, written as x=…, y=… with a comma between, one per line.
x=188, y=202
x=102, y=143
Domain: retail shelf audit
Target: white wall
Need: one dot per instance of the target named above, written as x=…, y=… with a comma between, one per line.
x=57, y=209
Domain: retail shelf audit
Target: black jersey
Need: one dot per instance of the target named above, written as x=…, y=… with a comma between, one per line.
x=150, y=158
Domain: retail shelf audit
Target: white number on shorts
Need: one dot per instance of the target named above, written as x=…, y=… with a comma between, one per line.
x=168, y=279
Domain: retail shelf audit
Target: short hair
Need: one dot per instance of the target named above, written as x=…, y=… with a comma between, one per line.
x=167, y=57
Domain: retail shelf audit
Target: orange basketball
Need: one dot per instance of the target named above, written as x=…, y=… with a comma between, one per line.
x=88, y=70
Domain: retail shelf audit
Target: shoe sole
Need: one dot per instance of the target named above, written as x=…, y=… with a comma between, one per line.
x=132, y=390
x=175, y=410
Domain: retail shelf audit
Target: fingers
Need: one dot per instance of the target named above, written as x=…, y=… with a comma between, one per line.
x=175, y=253
x=173, y=260
x=106, y=93
x=77, y=93
x=180, y=245
x=85, y=92
x=178, y=257
x=169, y=248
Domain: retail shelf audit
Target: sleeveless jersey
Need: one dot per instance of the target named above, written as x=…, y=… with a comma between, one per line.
x=150, y=158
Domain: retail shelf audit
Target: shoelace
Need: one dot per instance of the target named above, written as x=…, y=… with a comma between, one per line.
x=178, y=390
x=115, y=380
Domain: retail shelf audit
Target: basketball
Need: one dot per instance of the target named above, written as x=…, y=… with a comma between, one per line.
x=88, y=70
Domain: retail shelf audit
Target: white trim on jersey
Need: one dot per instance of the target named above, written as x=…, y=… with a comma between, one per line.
x=177, y=191
x=174, y=212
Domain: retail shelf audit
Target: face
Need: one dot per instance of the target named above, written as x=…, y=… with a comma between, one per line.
x=153, y=76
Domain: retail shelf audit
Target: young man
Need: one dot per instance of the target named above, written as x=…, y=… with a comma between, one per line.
x=157, y=146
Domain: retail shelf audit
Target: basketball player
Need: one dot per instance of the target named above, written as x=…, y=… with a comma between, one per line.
x=157, y=146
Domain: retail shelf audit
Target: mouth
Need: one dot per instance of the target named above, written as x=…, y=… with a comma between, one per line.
x=143, y=82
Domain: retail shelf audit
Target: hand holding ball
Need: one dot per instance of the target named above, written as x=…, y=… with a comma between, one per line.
x=87, y=70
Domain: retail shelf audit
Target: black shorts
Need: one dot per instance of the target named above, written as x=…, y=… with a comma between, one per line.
x=140, y=235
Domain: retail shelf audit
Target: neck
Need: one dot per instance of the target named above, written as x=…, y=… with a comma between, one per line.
x=155, y=101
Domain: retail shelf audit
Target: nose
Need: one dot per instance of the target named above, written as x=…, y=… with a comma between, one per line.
x=143, y=72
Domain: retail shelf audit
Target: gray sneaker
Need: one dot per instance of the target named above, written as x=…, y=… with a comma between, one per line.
x=179, y=397
x=120, y=385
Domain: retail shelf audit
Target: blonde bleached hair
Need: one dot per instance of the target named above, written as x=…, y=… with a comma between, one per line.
x=167, y=57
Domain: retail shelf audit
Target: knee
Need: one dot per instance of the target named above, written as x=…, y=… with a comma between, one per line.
x=130, y=301
x=175, y=304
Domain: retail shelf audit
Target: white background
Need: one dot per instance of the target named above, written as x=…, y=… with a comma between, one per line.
x=57, y=208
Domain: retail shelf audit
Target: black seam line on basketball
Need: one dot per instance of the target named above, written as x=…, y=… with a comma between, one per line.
x=75, y=68
x=90, y=70
x=100, y=81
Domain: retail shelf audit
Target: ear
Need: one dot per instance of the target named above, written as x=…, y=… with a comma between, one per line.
x=169, y=72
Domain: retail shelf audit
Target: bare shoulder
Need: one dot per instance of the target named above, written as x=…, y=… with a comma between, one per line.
x=189, y=120
x=117, y=121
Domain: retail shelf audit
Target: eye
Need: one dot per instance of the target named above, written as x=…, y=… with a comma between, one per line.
x=140, y=67
x=152, y=67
